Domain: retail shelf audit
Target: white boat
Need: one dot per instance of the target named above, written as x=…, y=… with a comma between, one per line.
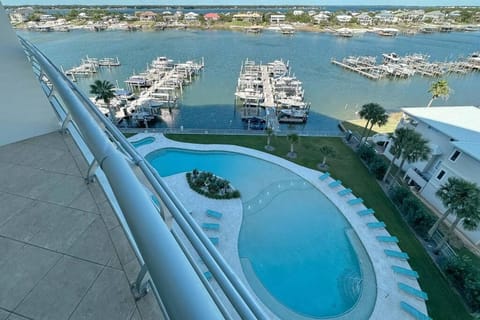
x=390, y=57
x=344, y=32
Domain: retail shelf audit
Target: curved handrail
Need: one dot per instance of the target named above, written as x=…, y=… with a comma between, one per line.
x=239, y=296
x=180, y=288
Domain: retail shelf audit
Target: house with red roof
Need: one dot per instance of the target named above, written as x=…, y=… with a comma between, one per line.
x=211, y=16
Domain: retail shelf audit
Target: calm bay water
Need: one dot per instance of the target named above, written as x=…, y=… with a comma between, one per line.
x=333, y=92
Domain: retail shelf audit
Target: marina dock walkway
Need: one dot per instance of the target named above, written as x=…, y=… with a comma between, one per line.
x=269, y=103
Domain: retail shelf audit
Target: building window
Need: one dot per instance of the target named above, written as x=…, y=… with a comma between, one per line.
x=440, y=174
x=455, y=155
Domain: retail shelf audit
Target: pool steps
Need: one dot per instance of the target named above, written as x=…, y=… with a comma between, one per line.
x=335, y=183
x=214, y=214
x=324, y=176
x=414, y=311
x=405, y=272
x=344, y=192
x=376, y=225
x=355, y=201
x=413, y=291
x=210, y=226
x=365, y=212
x=396, y=254
x=389, y=239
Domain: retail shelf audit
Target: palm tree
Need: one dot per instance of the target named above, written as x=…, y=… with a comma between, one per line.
x=269, y=132
x=439, y=89
x=455, y=194
x=375, y=115
x=408, y=145
x=399, y=139
x=292, y=138
x=326, y=151
x=104, y=90
x=414, y=149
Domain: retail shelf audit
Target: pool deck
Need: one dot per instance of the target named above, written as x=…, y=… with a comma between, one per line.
x=388, y=295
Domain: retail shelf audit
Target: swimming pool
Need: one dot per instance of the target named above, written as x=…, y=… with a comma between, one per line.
x=142, y=142
x=294, y=245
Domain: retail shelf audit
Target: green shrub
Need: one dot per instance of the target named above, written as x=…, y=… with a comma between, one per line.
x=378, y=166
x=211, y=186
x=366, y=153
x=398, y=194
x=466, y=278
x=412, y=209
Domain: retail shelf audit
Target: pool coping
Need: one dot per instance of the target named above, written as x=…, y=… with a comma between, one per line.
x=389, y=296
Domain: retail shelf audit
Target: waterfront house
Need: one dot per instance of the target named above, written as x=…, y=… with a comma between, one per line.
x=343, y=18
x=410, y=15
x=251, y=17
x=298, y=12
x=211, y=16
x=364, y=19
x=434, y=16
x=190, y=17
x=385, y=17
x=21, y=14
x=148, y=16
x=454, y=138
x=47, y=17
x=277, y=18
x=320, y=18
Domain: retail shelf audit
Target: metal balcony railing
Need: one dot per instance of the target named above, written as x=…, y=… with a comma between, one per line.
x=167, y=267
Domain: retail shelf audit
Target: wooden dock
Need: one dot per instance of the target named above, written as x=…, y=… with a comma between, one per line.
x=357, y=69
x=395, y=66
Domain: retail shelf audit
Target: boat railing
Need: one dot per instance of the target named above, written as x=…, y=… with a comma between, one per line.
x=161, y=255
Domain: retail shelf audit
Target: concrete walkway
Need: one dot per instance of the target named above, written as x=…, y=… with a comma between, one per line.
x=63, y=253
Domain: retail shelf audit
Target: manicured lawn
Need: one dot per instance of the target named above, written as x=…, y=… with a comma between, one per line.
x=443, y=302
x=358, y=124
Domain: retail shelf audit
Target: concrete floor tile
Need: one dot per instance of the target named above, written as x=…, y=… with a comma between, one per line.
x=4, y=314
x=148, y=307
x=19, y=179
x=94, y=244
x=97, y=192
x=108, y=215
x=131, y=270
x=136, y=316
x=108, y=298
x=53, y=140
x=16, y=317
x=11, y=205
x=47, y=225
x=122, y=246
x=84, y=201
x=24, y=269
x=57, y=295
x=115, y=263
x=8, y=248
x=61, y=189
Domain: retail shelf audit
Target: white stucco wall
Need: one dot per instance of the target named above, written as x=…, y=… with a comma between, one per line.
x=25, y=109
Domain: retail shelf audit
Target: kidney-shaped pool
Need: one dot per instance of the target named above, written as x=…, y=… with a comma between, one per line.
x=297, y=250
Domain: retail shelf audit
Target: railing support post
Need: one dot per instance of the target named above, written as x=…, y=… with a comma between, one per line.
x=91, y=171
x=140, y=287
x=65, y=123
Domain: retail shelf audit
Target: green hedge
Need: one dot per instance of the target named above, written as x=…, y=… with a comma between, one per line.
x=465, y=276
x=376, y=165
x=412, y=209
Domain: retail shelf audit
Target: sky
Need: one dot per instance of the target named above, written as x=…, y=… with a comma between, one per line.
x=423, y=3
